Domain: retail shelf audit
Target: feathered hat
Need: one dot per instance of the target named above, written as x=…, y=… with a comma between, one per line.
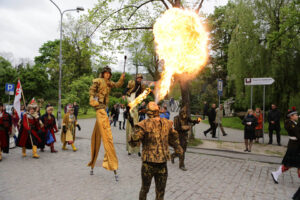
x=291, y=112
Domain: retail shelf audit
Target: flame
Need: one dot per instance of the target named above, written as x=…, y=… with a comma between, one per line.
x=199, y=119
x=181, y=42
x=140, y=98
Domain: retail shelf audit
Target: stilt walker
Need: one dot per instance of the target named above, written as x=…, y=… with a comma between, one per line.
x=30, y=131
x=292, y=155
x=5, y=130
x=49, y=128
x=133, y=90
x=68, y=133
x=99, y=98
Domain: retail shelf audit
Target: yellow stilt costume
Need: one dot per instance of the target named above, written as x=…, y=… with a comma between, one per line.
x=99, y=98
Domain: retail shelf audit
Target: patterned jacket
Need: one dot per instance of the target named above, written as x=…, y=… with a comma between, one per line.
x=132, y=87
x=156, y=134
x=100, y=90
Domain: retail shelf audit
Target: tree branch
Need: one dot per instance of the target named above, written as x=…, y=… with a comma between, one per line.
x=167, y=7
x=141, y=5
x=200, y=6
x=133, y=28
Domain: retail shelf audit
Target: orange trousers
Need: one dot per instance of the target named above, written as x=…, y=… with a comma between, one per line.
x=102, y=131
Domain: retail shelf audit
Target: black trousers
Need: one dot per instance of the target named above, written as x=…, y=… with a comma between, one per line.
x=160, y=173
x=120, y=124
x=277, y=135
x=212, y=128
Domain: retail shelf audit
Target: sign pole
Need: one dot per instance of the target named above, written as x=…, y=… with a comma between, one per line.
x=264, y=99
x=251, y=96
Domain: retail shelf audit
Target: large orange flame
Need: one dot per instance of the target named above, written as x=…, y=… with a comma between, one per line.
x=181, y=42
x=139, y=99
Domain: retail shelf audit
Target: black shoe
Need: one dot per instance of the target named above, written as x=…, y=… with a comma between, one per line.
x=183, y=168
x=245, y=150
x=205, y=133
x=213, y=136
x=270, y=142
x=249, y=150
x=129, y=154
x=139, y=154
x=225, y=134
x=279, y=144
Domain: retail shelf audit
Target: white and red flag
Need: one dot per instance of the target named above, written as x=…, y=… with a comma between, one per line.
x=17, y=101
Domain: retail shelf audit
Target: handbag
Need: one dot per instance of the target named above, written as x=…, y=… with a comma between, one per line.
x=50, y=138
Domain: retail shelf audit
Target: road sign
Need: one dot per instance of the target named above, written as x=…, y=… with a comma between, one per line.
x=220, y=87
x=259, y=81
x=9, y=88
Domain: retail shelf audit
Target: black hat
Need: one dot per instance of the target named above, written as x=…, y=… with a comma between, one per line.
x=105, y=69
x=291, y=112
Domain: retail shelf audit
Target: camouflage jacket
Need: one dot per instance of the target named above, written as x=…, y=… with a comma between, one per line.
x=181, y=125
x=156, y=134
x=100, y=90
x=131, y=88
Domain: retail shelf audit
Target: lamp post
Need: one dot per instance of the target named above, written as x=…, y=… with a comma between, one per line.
x=78, y=9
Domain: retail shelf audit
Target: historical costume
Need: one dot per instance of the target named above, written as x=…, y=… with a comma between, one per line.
x=259, y=127
x=155, y=134
x=30, y=131
x=99, y=98
x=182, y=126
x=133, y=90
x=49, y=128
x=5, y=130
x=292, y=155
x=69, y=129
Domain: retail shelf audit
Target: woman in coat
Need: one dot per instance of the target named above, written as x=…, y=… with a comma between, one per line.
x=250, y=123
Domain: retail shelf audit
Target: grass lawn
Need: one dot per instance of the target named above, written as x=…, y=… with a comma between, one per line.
x=236, y=123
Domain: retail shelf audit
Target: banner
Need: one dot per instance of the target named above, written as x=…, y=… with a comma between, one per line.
x=17, y=101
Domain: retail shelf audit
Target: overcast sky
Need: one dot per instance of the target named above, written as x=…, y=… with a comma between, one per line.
x=26, y=24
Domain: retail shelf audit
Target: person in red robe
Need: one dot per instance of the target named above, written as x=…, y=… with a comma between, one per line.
x=5, y=130
x=30, y=131
x=50, y=127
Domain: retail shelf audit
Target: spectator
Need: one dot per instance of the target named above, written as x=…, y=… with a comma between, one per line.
x=76, y=109
x=219, y=117
x=259, y=128
x=142, y=112
x=172, y=102
x=205, y=109
x=122, y=117
x=164, y=113
x=250, y=123
x=274, y=124
x=212, y=121
x=115, y=114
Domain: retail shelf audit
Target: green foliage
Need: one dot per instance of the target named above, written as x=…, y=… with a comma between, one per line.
x=79, y=92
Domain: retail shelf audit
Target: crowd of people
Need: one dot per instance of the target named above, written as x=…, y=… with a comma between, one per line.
x=153, y=134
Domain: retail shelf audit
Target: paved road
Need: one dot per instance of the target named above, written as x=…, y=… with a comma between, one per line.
x=65, y=176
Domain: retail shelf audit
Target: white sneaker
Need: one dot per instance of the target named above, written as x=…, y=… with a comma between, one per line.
x=275, y=177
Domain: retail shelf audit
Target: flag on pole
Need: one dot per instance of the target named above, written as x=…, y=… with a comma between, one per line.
x=17, y=101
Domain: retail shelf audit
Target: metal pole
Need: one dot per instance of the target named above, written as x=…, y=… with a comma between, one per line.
x=251, y=96
x=60, y=72
x=264, y=98
x=219, y=122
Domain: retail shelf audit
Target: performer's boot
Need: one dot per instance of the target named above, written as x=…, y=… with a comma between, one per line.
x=0, y=154
x=64, y=146
x=116, y=175
x=181, y=163
x=34, y=152
x=275, y=175
x=92, y=171
x=24, y=151
x=172, y=158
x=52, y=148
x=73, y=147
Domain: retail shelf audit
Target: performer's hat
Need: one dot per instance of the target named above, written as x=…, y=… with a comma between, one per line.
x=152, y=109
x=70, y=107
x=105, y=69
x=139, y=76
x=291, y=112
x=32, y=105
x=49, y=107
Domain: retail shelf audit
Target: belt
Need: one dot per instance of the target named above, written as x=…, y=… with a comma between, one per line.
x=293, y=138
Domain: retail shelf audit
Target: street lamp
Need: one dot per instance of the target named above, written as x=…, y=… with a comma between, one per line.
x=78, y=9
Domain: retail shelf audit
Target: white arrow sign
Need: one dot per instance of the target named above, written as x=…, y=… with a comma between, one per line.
x=259, y=81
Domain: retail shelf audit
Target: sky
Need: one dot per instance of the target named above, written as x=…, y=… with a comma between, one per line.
x=26, y=24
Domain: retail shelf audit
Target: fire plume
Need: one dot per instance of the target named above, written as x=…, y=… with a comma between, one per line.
x=140, y=98
x=181, y=42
